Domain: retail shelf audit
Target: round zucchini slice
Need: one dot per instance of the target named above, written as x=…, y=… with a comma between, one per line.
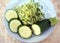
x=10, y=14
x=36, y=29
x=25, y=32
x=14, y=23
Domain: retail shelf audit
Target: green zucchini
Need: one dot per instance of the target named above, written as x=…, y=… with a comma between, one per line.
x=36, y=29
x=10, y=14
x=24, y=32
x=13, y=24
x=44, y=24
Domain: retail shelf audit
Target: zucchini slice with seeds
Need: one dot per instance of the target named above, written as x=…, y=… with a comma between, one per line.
x=36, y=29
x=24, y=32
x=13, y=24
x=10, y=14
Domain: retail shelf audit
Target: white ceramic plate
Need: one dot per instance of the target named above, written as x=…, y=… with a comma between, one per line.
x=48, y=10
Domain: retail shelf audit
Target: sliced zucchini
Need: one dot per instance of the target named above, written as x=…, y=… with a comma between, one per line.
x=13, y=24
x=24, y=32
x=10, y=14
x=36, y=29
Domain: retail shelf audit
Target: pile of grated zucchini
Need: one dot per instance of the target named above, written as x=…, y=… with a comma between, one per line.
x=30, y=12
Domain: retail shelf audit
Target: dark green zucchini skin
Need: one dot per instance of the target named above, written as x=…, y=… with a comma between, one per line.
x=20, y=35
x=44, y=24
